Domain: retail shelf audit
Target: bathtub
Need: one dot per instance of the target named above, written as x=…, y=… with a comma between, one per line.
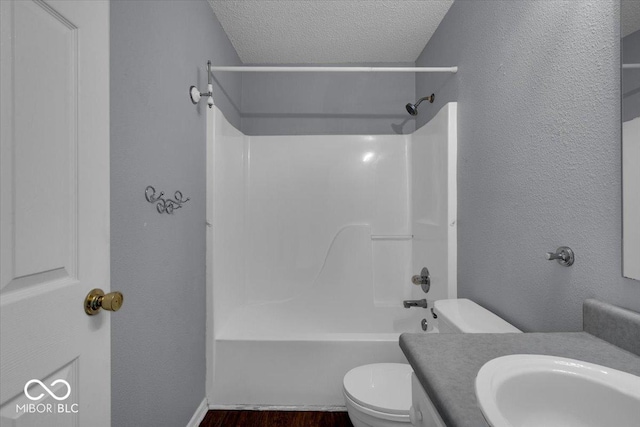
x=293, y=353
x=265, y=358
x=311, y=244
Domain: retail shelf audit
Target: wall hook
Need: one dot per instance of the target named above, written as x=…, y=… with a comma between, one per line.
x=564, y=255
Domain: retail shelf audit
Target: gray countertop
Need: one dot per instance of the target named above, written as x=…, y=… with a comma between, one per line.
x=447, y=364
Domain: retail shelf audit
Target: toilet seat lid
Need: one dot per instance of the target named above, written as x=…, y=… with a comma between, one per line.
x=383, y=387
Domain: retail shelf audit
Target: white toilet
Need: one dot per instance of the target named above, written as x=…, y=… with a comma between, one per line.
x=379, y=395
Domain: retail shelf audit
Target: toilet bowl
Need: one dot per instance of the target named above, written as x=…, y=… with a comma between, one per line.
x=379, y=395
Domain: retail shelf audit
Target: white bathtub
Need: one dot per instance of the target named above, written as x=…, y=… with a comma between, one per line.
x=294, y=353
x=266, y=358
x=311, y=244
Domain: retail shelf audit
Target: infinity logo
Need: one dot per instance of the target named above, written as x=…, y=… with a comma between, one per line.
x=52, y=394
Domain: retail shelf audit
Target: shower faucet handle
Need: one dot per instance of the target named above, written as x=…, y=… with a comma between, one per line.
x=423, y=280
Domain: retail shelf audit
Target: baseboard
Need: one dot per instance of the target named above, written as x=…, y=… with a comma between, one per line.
x=198, y=416
x=334, y=408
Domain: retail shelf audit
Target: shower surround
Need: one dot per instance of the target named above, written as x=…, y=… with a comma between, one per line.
x=312, y=241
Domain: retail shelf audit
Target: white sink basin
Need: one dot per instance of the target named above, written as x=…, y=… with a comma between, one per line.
x=528, y=390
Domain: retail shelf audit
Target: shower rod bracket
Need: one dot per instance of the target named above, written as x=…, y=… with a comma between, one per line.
x=164, y=205
x=196, y=95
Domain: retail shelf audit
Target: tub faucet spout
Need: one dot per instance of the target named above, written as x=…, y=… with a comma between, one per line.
x=415, y=303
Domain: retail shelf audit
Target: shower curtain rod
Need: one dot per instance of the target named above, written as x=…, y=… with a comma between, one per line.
x=269, y=69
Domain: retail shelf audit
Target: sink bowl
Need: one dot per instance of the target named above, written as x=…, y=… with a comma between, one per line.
x=528, y=390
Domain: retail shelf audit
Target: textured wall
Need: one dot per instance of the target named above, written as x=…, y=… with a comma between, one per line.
x=327, y=103
x=159, y=49
x=538, y=96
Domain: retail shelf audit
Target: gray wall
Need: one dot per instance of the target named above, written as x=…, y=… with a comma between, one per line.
x=631, y=78
x=327, y=103
x=539, y=154
x=158, y=49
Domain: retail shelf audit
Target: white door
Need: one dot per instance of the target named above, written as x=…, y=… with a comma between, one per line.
x=54, y=212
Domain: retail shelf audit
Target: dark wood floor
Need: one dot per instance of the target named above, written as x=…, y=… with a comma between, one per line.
x=275, y=419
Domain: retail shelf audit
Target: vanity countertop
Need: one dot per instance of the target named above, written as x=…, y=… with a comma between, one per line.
x=447, y=364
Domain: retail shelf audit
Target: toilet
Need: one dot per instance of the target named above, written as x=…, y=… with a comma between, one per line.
x=379, y=394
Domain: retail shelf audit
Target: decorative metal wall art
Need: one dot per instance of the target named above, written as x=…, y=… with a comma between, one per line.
x=164, y=205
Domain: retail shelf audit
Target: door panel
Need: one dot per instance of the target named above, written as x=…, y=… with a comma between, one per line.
x=54, y=212
x=44, y=143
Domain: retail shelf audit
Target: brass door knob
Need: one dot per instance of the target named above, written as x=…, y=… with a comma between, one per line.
x=96, y=299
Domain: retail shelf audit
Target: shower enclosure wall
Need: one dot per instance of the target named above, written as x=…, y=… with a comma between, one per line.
x=312, y=241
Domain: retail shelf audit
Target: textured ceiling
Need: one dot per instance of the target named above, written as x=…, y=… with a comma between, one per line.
x=329, y=31
x=630, y=16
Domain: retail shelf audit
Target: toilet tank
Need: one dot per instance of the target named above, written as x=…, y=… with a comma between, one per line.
x=467, y=317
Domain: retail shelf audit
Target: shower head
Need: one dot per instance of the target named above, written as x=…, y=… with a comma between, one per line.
x=413, y=108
